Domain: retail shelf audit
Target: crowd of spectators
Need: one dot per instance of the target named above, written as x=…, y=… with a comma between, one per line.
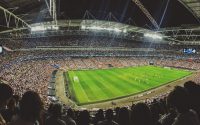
x=78, y=41
x=180, y=107
x=24, y=100
x=26, y=72
x=87, y=42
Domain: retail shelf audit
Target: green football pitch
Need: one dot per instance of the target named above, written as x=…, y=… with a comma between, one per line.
x=91, y=86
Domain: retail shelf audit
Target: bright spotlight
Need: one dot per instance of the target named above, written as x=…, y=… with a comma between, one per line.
x=117, y=30
x=44, y=28
x=83, y=27
x=1, y=49
x=124, y=31
x=153, y=36
x=37, y=28
x=55, y=27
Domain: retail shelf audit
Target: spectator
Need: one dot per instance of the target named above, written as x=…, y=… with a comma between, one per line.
x=84, y=118
x=155, y=111
x=168, y=118
x=5, y=94
x=194, y=93
x=55, y=117
x=69, y=118
x=116, y=113
x=11, y=110
x=17, y=98
x=179, y=98
x=123, y=116
x=109, y=118
x=141, y=115
x=99, y=116
x=30, y=109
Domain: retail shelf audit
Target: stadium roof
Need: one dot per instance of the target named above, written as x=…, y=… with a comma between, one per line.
x=166, y=13
x=193, y=6
x=81, y=25
x=96, y=23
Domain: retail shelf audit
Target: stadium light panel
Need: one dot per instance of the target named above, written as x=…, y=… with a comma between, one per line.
x=109, y=29
x=103, y=28
x=55, y=27
x=98, y=28
x=44, y=28
x=124, y=31
x=1, y=49
x=83, y=27
x=153, y=36
x=117, y=30
x=38, y=28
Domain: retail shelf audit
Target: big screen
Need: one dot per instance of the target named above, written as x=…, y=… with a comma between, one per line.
x=189, y=50
x=1, y=49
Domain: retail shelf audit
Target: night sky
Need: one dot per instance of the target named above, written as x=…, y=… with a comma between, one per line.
x=176, y=14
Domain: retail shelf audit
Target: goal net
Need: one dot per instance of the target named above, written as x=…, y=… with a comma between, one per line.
x=76, y=79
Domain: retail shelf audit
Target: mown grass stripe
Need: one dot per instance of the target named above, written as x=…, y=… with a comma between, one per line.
x=118, y=84
x=130, y=84
x=104, y=84
x=90, y=94
x=99, y=85
x=96, y=85
x=108, y=83
x=77, y=89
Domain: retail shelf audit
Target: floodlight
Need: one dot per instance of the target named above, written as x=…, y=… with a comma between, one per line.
x=124, y=31
x=44, y=28
x=37, y=28
x=54, y=27
x=98, y=28
x=94, y=28
x=1, y=49
x=117, y=30
x=103, y=28
x=153, y=35
x=109, y=29
x=83, y=27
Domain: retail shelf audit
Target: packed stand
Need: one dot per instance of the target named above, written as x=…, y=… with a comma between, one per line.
x=26, y=71
x=180, y=107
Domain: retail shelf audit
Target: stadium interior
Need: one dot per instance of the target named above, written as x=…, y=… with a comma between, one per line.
x=99, y=62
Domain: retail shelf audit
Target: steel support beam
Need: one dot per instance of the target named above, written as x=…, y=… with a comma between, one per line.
x=182, y=35
x=8, y=16
x=53, y=10
x=190, y=9
x=146, y=12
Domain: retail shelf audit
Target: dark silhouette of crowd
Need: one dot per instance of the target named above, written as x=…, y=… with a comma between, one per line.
x=180, y=107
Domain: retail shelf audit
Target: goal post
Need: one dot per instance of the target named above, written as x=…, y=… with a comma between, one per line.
x=76, y=79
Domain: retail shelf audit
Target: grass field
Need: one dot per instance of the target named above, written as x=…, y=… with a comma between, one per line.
x=90, y=86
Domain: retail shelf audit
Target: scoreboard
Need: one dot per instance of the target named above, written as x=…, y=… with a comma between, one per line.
x=189, y=51
x=1, y=49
